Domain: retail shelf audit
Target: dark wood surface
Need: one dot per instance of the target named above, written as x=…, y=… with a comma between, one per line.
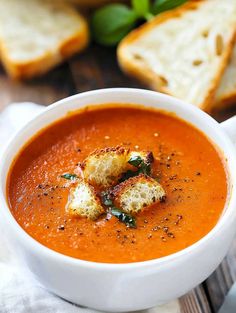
x=97, y=68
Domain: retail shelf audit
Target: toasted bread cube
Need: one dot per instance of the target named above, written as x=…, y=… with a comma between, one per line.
x=104, y=167
x=84, y=202
x=136, y=193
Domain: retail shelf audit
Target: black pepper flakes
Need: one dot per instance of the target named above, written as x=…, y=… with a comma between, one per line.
x=163, y=238
x=163, y=199
x=172, y=177
x=156, y=228
x=179, y=218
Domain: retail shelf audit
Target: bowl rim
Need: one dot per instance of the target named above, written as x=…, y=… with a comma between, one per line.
x=43, y=250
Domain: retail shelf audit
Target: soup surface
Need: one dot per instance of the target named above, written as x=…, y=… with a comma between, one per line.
x=187, y=165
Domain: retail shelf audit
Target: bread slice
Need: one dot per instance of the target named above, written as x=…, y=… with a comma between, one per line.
x=137, y=193
x=183, y=52
x=226, y=93
x=84, y=202
x=38, y=34
x=104, y=167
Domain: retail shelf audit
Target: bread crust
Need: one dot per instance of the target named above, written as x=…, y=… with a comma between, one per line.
x=226, y=96
x=155, y=81
x=36, y=67
x=225, y=102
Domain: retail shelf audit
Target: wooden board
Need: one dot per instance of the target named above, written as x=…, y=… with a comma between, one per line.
x=97, y=68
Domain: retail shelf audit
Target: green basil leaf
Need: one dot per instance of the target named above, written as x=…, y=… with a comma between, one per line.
x=69, y=176
x=128, y=175
x=111, y=23
x=135, y=161
x=141, y=7
x=165, y=5
x=123, y=217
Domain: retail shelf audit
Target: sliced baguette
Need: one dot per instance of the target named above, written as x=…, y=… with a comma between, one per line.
x=137, y=193
x=83, y=201
x=183, y=52
x=38, y=34
x=226, y=93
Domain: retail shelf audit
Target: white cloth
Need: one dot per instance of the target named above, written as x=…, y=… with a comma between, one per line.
x=19, y=292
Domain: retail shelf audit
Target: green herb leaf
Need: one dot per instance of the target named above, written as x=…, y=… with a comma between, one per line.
x=128, y=175
x=125, y=218
x=69, y=176
x=135, y=161
x=165, y=5
x=111, y=23
x=141, y=7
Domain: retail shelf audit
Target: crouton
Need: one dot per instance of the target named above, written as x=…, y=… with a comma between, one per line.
x=136, y=193
x=104, y=167
x=84, y=202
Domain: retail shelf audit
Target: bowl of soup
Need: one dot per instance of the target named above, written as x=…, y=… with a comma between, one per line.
x=168, y=216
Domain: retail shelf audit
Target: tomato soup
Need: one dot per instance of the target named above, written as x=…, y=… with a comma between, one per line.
x=187, y=165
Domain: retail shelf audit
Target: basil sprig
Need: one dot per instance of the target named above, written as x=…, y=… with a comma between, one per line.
x=113, y=22
x=123, y=217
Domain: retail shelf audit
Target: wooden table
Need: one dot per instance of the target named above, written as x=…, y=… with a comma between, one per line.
x=97, y=68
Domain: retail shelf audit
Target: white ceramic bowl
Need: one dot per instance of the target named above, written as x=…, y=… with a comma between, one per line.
x=133, y=286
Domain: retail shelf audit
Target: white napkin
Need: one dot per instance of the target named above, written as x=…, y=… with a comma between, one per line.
x=19, y=292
